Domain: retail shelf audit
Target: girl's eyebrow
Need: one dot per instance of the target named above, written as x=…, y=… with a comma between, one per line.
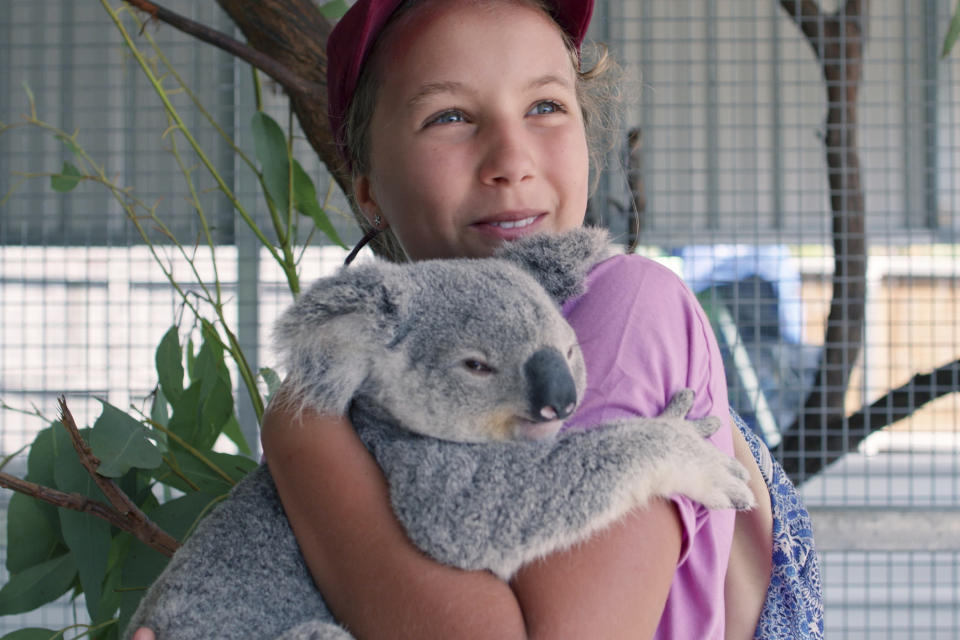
x=430, y=89
x=550, y=78
x=433, y=88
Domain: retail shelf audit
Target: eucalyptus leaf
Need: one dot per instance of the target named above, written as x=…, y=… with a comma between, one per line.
x=144, y=564
x=201, y=414
x=38, y=585
x=120, y=442
x=33, y=633
x=159, y=409
x=185, y=420
x=272, y=380
x=306, y=202
x=69, y=143
x=169, y=362
x=270, y=147
x=31, y=537
x=200, y=474
x=87, y=536
x=40, y=465
x=232, y=430
x=68, y=178
x=953, y=32
x=334, y=9
x=89, y=539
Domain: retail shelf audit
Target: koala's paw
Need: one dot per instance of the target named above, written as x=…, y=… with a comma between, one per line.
x=316, y=630
x=726, y=486
x=679, y=405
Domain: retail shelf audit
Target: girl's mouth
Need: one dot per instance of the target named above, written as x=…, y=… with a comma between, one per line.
x=509, y=226
x=514, y=224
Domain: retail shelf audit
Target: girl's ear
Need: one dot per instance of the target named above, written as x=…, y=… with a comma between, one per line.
x=366, y=200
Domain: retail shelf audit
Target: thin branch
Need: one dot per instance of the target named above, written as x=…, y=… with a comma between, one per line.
x=91, y=463
x=287, y=79
x=125, y=514
x=845, y=434
x=72, y=501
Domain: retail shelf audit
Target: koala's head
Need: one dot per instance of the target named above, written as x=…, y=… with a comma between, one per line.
x=466, y=350
x=479, y=352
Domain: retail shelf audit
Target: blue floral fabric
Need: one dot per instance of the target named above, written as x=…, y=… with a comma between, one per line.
x=794, y=606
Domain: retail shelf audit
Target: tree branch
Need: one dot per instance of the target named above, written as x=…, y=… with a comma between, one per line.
x=121, y=513
x=293, y=83
x=160, y=541
x=816, y=449
x=125, y=514
x=72, y=501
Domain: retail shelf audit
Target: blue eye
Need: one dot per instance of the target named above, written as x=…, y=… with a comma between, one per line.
x=546, y=107
x=451, y=116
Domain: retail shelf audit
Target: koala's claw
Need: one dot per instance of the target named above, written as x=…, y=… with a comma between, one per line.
x=731, y=491
x=679, y=405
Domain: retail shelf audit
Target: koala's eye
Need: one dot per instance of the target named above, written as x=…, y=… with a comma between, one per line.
x=478, y=367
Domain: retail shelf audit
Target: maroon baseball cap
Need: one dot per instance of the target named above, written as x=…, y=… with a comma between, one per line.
x=352, y=38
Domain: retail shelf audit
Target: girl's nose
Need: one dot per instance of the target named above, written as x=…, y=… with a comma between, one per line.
x=508, y=157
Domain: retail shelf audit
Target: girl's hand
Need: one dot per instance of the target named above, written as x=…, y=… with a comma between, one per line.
x=143, y=634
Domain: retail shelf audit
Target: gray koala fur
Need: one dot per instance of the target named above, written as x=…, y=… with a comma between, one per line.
x=476, y=477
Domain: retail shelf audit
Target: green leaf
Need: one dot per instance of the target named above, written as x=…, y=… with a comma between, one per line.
x=270, y=147
x=169, y=361
x=334, y=9
x=159, y=409
x=144, y=564
x=68, y=178
x=110, y=598
x=208, y=480
x=69, y=142
x=272, y=381
x=87, y=536
x=89, y=539
x=232, y=430
x=305, y=201
x=37, y=585
x=191, y=358
x=121, y=443
x=200, y=415
x=31, y=537
x=40, y=465
x=953, y=32
x=33, y=633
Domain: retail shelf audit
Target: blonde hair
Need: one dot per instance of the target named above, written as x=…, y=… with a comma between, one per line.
x=598, y=93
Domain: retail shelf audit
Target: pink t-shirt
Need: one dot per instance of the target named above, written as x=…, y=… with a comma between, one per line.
x=644, y=337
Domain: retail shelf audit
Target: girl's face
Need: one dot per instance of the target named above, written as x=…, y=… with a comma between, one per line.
x=477, y=136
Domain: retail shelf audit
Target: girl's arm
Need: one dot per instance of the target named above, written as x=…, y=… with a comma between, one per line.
x=372, y=578
x=380, y=586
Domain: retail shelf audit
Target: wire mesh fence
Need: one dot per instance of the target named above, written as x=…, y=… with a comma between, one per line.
x=723, y=173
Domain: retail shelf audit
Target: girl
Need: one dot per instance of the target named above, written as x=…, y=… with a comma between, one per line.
x=465, y=125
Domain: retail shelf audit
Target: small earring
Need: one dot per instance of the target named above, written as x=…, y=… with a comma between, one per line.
x=377, y=220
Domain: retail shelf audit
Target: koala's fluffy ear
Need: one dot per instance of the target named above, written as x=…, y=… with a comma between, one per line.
x=560, y=262
x=331, y=336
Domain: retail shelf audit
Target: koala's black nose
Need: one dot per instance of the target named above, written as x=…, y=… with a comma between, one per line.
x=552, y=391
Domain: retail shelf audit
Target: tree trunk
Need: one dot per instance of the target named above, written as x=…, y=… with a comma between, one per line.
x=838, y=42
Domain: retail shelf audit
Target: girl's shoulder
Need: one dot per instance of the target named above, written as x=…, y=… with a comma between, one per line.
x=624, y=278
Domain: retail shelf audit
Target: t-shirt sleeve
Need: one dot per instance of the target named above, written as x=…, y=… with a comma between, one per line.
x=644, y=337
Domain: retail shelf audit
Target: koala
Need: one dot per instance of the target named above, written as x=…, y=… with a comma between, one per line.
x=457, y=375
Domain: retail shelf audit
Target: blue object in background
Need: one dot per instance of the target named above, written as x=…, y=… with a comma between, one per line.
x=752, y=295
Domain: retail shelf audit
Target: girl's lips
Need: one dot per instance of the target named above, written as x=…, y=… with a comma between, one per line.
x=511, y=225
